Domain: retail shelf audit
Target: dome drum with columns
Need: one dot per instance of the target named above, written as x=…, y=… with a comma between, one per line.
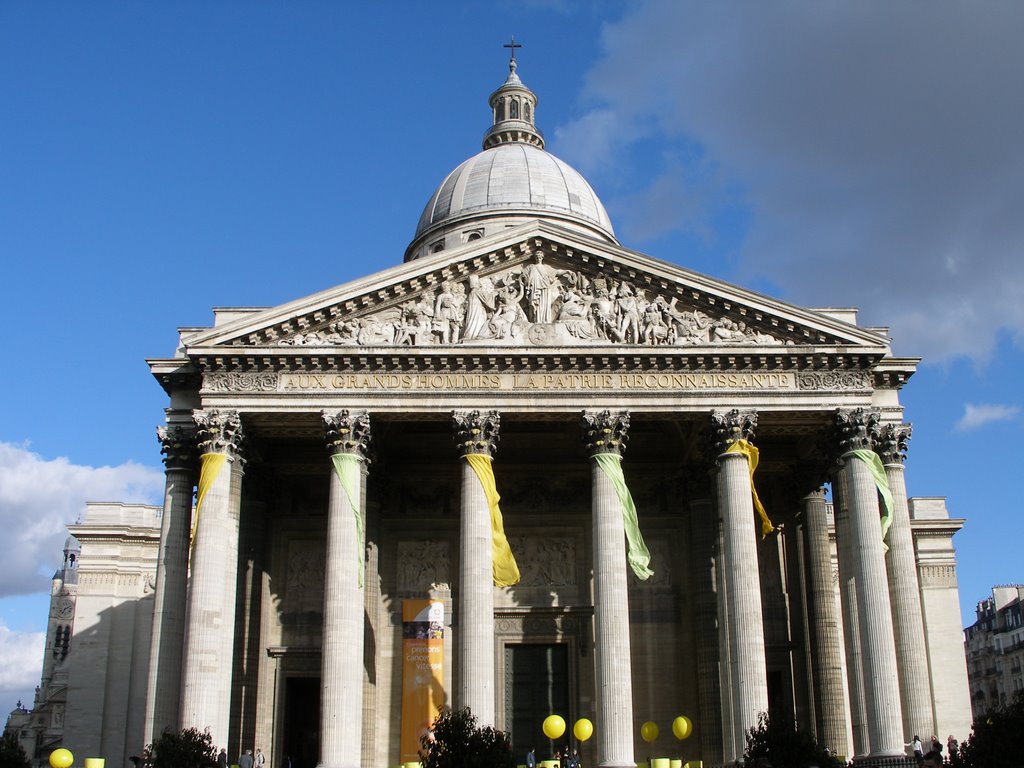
x=352, y=556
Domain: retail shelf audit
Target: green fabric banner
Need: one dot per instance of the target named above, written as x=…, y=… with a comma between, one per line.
x=639, y=556
x=346, y=467
x=882, y=484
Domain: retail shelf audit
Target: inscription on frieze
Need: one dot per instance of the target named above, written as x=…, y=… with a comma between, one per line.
x=650, y=381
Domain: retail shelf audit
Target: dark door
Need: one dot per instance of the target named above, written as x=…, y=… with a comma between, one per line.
x=536, y=685
x=301, y=739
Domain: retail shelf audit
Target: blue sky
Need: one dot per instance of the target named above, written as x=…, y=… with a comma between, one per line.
x=159, y=159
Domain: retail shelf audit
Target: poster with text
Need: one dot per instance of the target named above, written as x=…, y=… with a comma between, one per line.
x=422, y=671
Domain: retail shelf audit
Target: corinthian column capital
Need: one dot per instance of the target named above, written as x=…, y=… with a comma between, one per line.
x=347, y=432
x=219, y=432
x=476, y=432
x=855, y=429
x=731, y=427
x=605, y=432
x=891, y=443
x=178, y=445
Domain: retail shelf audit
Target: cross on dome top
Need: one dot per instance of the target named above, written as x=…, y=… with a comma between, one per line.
x=513, y=108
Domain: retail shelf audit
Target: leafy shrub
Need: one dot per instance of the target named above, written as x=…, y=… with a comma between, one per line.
x=191, y=748
x=11, y=753
x=995, y=739
x=780, y=743
x=456, y=741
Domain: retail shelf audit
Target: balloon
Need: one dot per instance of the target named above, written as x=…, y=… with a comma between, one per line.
x=583, y=729
x=682, y=727
x=649, y=731
x=61, y=758
x=554, y=726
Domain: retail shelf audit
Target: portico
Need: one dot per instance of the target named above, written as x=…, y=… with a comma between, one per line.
x=617, y=405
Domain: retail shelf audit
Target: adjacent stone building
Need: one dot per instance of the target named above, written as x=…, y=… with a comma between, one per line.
x=995, y=649
x=349, y=567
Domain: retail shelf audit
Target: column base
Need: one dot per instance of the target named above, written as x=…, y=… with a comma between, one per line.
x=617, y=765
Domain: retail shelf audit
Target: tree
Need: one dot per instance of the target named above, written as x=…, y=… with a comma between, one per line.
x=778, y=742
x=11, y=753
x=191, y=748
x=995, y=739
x=456, y=741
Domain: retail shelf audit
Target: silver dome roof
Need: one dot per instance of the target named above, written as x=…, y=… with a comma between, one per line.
x=515, y=178
x=511, y=181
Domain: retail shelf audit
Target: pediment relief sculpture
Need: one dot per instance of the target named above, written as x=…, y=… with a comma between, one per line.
x=539, y=303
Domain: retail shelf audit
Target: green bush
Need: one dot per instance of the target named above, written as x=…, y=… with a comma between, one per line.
x=995, y=739
x=191, y=748
x=11, y=753
x=780, y=743
x=456, y=741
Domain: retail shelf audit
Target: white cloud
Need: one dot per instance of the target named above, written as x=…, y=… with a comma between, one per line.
x=22, y=655
x=39, y=497
x=879, y=148
x=976, y=416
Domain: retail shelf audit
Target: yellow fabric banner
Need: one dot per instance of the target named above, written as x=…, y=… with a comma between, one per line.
x=210, y=465
x=346, y=467
x=506, y=572
x=753, y=456
x=882, y=484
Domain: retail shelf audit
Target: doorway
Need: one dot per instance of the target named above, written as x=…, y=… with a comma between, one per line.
x=301, y=737
x=536, y=685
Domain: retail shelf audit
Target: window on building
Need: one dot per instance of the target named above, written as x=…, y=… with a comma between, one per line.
x=513, y=109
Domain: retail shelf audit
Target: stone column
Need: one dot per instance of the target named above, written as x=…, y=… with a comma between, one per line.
x=704, y=565
x=904, y=593
x=823, y=627
x=607, y=433
x=341, y=680
x=848, y=565
x=163, y=692
x=864, y=575
x=476, y=433
x=740, y=529
x=210, y=631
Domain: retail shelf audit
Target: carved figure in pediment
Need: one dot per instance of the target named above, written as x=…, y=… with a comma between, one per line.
x=508, y=321
x=602, y=309
x=627, y=306
x=415, y=323
x=343, y=333
x=448, y=312
x=656, y=329
x=377, y=329
x=726, y=330
x=574, y=311
x=540, y=284
x=480, y=307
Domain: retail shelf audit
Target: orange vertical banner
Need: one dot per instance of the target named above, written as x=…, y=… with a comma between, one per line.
x=422, y=671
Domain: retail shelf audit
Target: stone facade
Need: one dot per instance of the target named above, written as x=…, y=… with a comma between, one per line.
x=517, y=352
x=995, y=649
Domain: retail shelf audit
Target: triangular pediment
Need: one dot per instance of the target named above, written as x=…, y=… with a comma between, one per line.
x=535, y=286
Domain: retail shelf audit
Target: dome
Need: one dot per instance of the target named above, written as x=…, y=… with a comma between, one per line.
x=512, y=181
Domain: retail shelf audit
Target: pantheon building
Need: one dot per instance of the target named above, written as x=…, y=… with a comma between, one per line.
x=528, y=471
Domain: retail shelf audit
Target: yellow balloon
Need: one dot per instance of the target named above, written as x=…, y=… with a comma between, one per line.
x=682, y=727
x=583, y=729
x=649, y=731
x=61, y=758
x=554, y=726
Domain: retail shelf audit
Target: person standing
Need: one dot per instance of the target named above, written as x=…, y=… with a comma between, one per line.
x=259, y=760
x=222, y=759
x=531, y=759
x=246, y=761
